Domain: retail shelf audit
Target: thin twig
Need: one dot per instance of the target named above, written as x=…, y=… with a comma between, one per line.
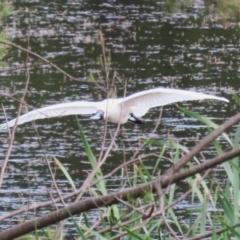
x=4, y=164
x=44, y=60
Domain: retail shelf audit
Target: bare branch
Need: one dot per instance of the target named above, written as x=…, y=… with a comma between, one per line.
x=44, y=60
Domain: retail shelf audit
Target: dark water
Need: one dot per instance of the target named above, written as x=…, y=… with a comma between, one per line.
x=149, y=48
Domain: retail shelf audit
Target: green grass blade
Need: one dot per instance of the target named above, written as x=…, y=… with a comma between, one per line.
x=214, y=235
x=79, y=230
x=36, y=233
x=236, y=174
x=232, y=230
x=204, y=120
x=48, y=233
x=131, y=234
x=169, y=144
x=65, y=172
x=144, y=173
x=87, y=147
x=175, y=220
x=227, y=207
x=86, y=220
x=236, y=98
x=101, y=185
x=203, y=218
x=104, y=222
x=94, y=233
x=159, y=159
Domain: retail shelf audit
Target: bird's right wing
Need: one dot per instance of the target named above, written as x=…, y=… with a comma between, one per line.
x=141, y=102
x=57, y=110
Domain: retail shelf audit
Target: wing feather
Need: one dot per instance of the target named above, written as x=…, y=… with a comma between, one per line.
x=141, y=102
x=57, y=110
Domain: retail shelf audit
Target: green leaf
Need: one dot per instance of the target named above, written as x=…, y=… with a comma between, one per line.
x=65, y=172
x=204, y=120
x=227, y=207
x=94, y=233
x=86, y=220
x=159, y=159
x=236, y=98
x=36, y=233
x=232, y=230
x=101, y=185
x=214, y=234
x=169, y=144
x=131, y=233
x=236, y=174
x=79, y=230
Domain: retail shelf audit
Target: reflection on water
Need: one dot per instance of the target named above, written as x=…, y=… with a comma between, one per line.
x=148, y=47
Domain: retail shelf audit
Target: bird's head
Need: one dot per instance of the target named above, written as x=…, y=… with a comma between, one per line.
x=99, y=115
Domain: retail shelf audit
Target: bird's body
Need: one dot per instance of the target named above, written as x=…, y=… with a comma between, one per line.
x=118, y=111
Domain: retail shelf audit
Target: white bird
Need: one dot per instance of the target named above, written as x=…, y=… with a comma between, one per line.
x=120, y=110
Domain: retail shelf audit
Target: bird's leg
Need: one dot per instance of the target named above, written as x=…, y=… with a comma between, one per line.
x=135, y=119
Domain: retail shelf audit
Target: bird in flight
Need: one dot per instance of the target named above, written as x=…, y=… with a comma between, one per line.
x=119, y=110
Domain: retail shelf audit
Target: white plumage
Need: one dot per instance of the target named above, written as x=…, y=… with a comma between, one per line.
x=120, y=110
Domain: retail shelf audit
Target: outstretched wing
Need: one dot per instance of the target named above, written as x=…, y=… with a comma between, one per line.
x=140, y=103
x=57, y=110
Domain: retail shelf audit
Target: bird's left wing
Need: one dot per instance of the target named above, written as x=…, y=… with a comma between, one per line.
x=141, y=102
x=57, y=110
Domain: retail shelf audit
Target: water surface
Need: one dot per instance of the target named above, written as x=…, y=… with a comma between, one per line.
x=149, y=48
